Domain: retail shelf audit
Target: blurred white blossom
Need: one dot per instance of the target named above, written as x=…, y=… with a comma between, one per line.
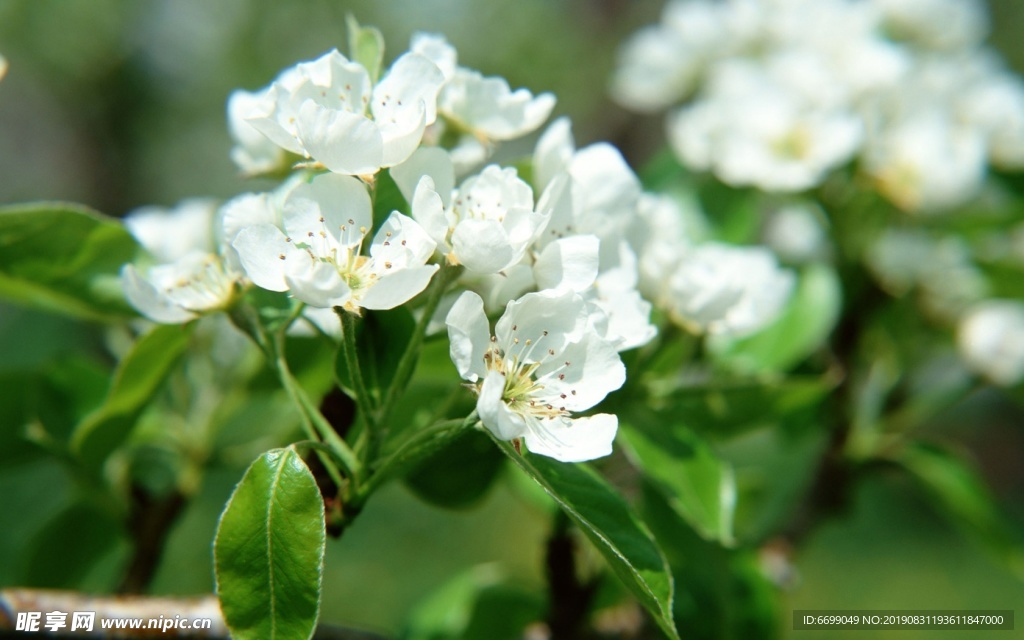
x=991, y=340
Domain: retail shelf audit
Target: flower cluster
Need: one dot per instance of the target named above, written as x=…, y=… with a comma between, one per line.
x=573, y=257
x=780, y=92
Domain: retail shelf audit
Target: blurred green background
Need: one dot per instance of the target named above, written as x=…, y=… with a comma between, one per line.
x=120, y=103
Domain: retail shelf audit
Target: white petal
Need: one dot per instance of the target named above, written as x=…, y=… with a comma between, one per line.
x=573, y=440
x=436, y=49
x=482, y=246
x=494, y=413
x=593, y=371
x=260, y=248
x=402, y=242
x=426, y=161
x=568, y=263
x=336, y=205
x=554, y=150
x=271, y=116
x=343, y=141
x=318, y=284
x=428, y=210
x=412, y=80
x=547, y=319
x=396, y=288
x=402, y=134
x=469, y=335
x=142, y=295
x=245, y=210
x=488, y=106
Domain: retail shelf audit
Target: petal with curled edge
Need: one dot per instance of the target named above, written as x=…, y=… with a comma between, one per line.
x=148, y=301
x=469, y=336
x=318, y=284
x=428, y=210
x=504, y=423
x=260, y=249
x=573, y=440
x=342, y=141
x=426, y=161
x=402, y=242
x=393, y=289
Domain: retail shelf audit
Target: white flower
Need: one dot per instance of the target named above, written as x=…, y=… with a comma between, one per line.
x=727, y=290
x=328, y=110
x=659, y=65
x=485, y=107
x=486, y=224
x=190, y=277
x=927, y=163
x=253, y=153
x=170, y=234
x=3, y=67
x=750, y=130
x=318, y=256
x=542, y=364
x=173, y=293
x=991, y=340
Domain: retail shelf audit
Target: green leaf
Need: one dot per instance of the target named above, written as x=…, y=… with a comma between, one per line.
x=697, y=484
x=603, y=515
x=387, y=197
x=14, y=415
x=719, y=592
x=136, y=380
x=269, y=551
x=663, y=171
x=366, y=46
x=64, y=258
x=774, y=469
x=962, y=495
x=459, y=475
x=381, y=339
x=800, y=330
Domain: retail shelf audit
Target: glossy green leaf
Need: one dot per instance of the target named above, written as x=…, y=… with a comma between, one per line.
x=269, y=551
x=697, y=484
x=366, y=46
x=800, y=330
x=603, y=515
x=387, y=197
x=136, y=380
x=962, y=495
x=459, y=475
x=64, y=258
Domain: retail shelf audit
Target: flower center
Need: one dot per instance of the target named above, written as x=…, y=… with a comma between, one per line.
x=524, y=391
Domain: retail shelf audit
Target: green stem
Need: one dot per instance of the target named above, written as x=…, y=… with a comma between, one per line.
x=415, y=448
x=349, y=351
x=314, y=421
x=407, y=363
